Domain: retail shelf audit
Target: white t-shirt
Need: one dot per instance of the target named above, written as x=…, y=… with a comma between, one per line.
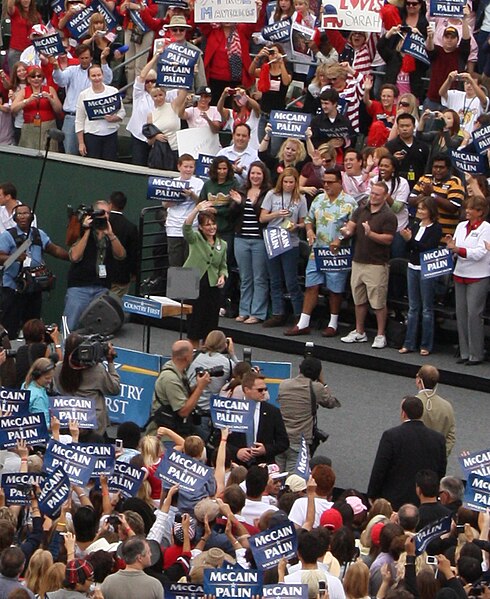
x=254, y=509
x=298, y=511
x=335, y=588
x=468, y=109
x=194, y=118
x=177, y=214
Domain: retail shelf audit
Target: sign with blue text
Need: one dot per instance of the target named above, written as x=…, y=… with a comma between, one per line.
x=447, y=8
x=431, y=532
x=98, y=108
x=271, y=545
x=126, y=479
x=30, y=428
x=17, y=486
x=225, y=11
x=166, y=189
x=302, y=467
x=135, y=16
x=105, y=456
x=54, y=492
x=180, y=54
x=109, y=18
x=235, y=414
x=177, y=468
x=435, y=263
x=81, y=409
x=174, y=76
x=233, y=583
x=202, y=165
x=15, y=401
x=78, y=25
x=278, y=31
x=76, y=464
x=481, y=139
x=277, y=241
x=477, y=493
x=328, y=261
x=414, y=45
x=467, y=161
x=285, y=123
x=49, y=45
x=285, y=590
x=183, y=590
x=57, y=6
x=477, y=462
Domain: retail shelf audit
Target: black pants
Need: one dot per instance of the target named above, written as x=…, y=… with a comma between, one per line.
x=18, y=308
x=103, y=147
x=205, y=311
x=139, y=151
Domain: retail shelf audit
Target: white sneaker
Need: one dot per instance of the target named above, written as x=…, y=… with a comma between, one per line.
x=379, y=342
x=354, y=337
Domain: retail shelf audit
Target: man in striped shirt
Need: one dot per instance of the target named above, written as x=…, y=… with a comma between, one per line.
x=349, y=85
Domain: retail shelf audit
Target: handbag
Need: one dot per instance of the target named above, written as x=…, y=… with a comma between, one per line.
x=34, y=279
x=165, y=416
x=318, y=436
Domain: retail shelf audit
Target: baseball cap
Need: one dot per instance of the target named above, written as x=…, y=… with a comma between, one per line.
x=332, y=519
x=296, y=483
x=356, y=504
x=451, y=31
x=203, y=91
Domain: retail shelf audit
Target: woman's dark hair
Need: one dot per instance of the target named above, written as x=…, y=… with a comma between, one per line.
x=431, y=205
x=85, y=523
x=31, y=13
x=70, y=378
x=103, y=564
x=205, y=216
x=427, y=585
x=213, y=169
x=395, y=178
x=343, y=545
x=34, y=331
x=266, y=183
x=14, y=79
x=277, y=11
x=456, y=121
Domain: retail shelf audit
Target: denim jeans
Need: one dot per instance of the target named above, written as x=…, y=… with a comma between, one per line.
x=254, y=280
x=285, y=267
x=77, y=300
x=70, y=143
x=420, y=299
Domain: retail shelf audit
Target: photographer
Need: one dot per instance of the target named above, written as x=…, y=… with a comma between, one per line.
x=91, y=258
x=218, y=358
x=41, y=341
x=72, y=377
x=24, y=281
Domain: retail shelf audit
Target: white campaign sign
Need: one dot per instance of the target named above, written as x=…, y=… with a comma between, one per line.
x=198, y=140
x=225, y=11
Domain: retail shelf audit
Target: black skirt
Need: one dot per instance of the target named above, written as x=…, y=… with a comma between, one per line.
x=205, y=310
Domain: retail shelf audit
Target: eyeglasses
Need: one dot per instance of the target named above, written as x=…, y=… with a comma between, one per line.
x=150, y=80
x=35, y=76
x=412, y=3
x=262, y=389
x=404, y=104
x=179, y=29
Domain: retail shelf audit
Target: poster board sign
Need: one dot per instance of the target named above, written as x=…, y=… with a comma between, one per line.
x=477, y=462
x=353, y=15
x=126, y=479
x=49, y=45
x=235, y=414
x=30, y=428
x=98, y=108
x=177, y=468
x=435, y=263
x=447, y=8
x=225, y=11
x=271, y=545
x=477, y=493
x=81, y=409
x=414, y=45
x=15, y=401
x=198, y=140
x=328, y=261
x=481, y=139
x=166, y=189
x=277, y=241
x=467, y=161
x=286, y=123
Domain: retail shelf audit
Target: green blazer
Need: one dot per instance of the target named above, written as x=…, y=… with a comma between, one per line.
x=204, y=257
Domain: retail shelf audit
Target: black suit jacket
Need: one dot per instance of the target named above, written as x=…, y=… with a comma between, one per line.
x=272, y=433
x=121, y=271
x=402, y=452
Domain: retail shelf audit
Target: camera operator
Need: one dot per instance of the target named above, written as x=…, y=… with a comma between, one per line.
x=218, y=358
x=87, y=380
x=41, y=341
x=174, y=399
x=91, y=257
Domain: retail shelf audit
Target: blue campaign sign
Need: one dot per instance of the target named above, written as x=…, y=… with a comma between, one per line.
x=477, y=493
x=174, y=76
x=98, y=108
x=183, y=590
x=289, y=124
x=481, y=139
x=236, y=414
x=109, y=18
x=274, y=373
x=414, y=45
x=232, y=583
x=202, y=165
x=435, y=263
x=135, y=16
x=126, y=479
x=177, y=468
x=477, y=462
x=138, y=372
x=49, y=45
x=30, y=428
x=278, y=31
x=54, y=492
x=467, y=161
x=15, y=401
x=447, y=8
x=57, y=6
x=328, y=261
x=302, y=467
x=180, y=54
x=17, y=486
x=105, y=456
x=271, y=545
x=277, y=241
x=430, y=532
x=142, y=306
x=75, y=463
x=166, y=189
x=81, y=409
x=286, y=591
x=78, y=25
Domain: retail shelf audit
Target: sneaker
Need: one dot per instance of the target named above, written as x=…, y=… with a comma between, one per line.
x=354, y=337
x=379, y=342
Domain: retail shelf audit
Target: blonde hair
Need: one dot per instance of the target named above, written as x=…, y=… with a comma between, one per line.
x=95, y=18
x=215, y=342
x=326, y=149
x=356, y=581
x=151, y=449
x=41, y=364
x=39, y=563
x=295, y=195
x=414, y=109
x=300, y=149
x=52, y=579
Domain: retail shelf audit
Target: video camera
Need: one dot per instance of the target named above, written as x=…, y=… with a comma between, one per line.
x=92, y=350
x=213, y=371
x=99, y=220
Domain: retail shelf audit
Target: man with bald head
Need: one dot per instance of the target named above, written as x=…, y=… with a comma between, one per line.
x=174, y=400
x=438, y=412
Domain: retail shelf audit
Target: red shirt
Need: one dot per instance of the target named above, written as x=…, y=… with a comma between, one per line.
x=378, y=108
x=41, y=106
x=20, y=29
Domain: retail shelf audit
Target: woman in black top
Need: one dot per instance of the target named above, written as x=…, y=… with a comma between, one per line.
x=424, y=235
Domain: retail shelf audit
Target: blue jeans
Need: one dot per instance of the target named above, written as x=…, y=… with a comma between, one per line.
x=254, y=281
x=285, y=267
x=77, y=300
x=420, y=298
x=70, y=143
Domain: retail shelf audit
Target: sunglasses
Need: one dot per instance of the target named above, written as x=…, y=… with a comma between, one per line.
x=177, y=29
x=262, y=389
x=150, y=80
x=35, y=76
x=412, y=3
x=404, y=104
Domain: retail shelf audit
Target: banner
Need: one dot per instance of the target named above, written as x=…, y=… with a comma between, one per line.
x=353, y=15
x=328, y=261
x=30, y=428
x=302, y=467
x=138, y=372
x=126, y=479
x=270, y=546
x=481, y=139
x=49, y=45
x=15, y=401
x=279, y=31
x=236, y=414
x=477, y=462
x=414, y=45
x=289, y=124
x=105, y=456
x=17, y=486
x=430, y=532
x=477, y=493
x=54, y=492
x=98, y=108
x=81, y=409
x=177, y=468
x=183, y=590
x=286, y=591
x=180, y=54
x=277, y=241
x=232, y=583
x=467, y=162
x=109, y=18
x=225, y=11
x=202, y=165
x=435, y=263
x=166, y=189
x=79, y=23
x=447, y=8
x=76, y=464
x=174, y=76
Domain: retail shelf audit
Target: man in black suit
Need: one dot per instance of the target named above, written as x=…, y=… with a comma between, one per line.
x=121, y=272
x=402, y=452
x=269, y=437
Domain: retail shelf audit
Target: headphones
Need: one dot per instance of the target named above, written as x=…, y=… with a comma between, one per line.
x=38, y=372
x=14, y=212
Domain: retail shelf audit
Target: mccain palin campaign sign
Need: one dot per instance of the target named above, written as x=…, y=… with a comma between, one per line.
x=81, y=409
x=233, y=583
x=176, y=468
x=78, y=465
x=126, y=479
x=55, y=490
x=30, y=428
x=271, y=545
x=14, y=401
x=98, y=108
x=235, y=414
